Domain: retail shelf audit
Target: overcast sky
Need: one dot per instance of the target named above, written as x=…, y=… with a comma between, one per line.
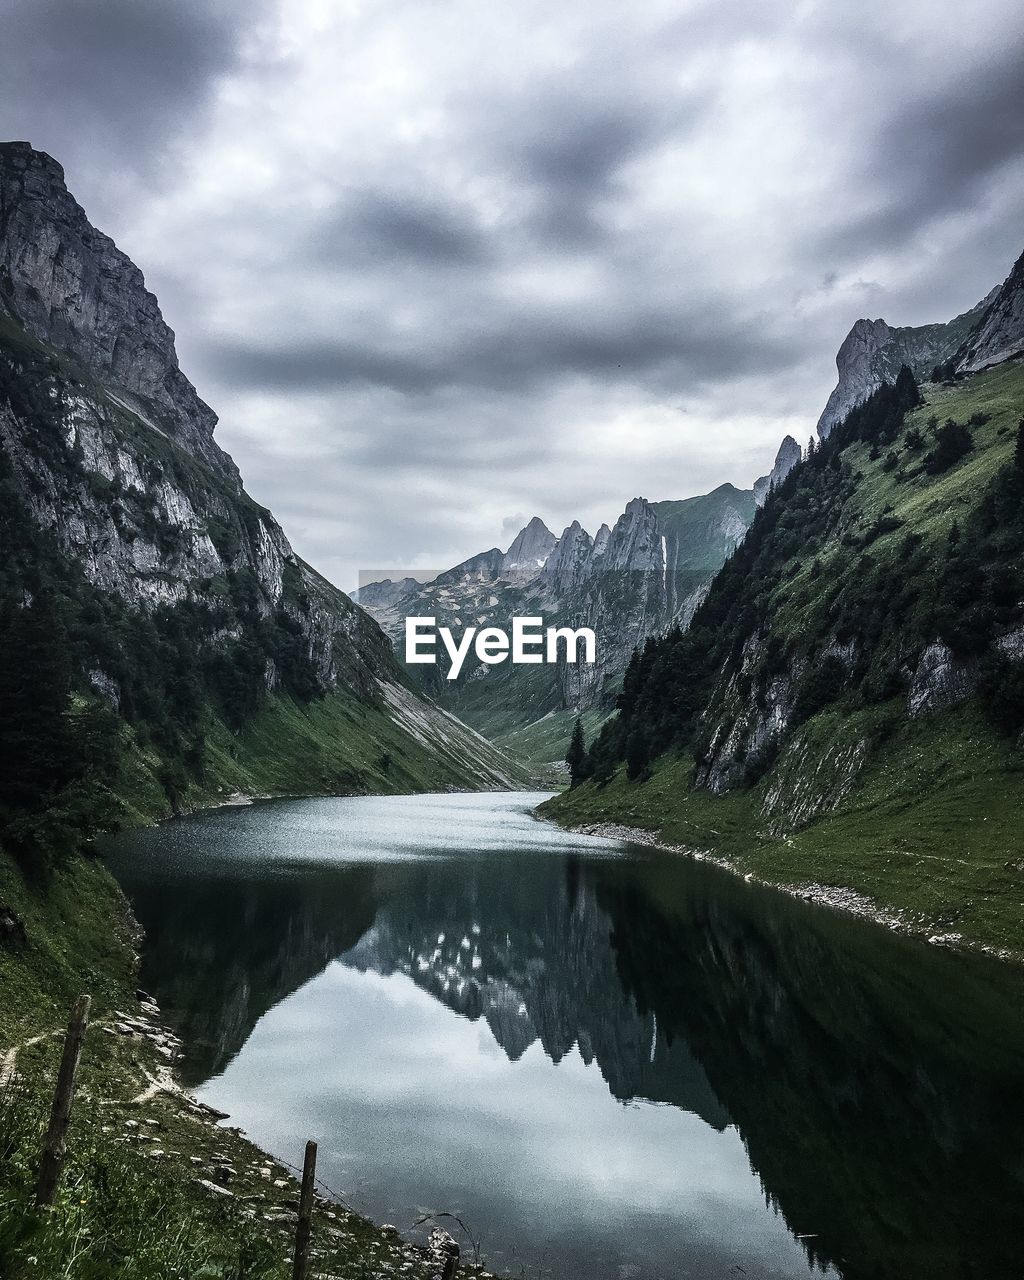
x=440, y=265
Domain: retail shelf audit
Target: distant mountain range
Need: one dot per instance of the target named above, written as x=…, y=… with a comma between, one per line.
x=635, y=579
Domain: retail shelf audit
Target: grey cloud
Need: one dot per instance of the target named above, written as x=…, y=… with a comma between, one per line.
x=104, y=84
x=935, y=153
x=436, y=264
x=391, y=228
x=525, y=350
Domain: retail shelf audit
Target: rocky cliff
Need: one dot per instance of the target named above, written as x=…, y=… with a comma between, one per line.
x=69, y=286
x=873, y=351
x=999, y=334
x=124, y=507
x=788, y=456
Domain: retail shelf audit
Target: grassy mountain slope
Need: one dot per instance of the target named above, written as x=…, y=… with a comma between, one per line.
x=847, y=706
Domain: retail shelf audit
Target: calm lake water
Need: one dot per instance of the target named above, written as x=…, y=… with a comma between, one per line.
x=610, y=1062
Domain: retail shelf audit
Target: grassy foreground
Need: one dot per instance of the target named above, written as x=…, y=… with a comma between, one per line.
x=154, y=1186
x=930, y=833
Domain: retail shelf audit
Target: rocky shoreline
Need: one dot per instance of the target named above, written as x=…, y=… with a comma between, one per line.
x=835, y=897
x=167, y=1124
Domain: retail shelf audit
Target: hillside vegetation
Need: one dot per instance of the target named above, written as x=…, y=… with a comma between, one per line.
x=847, y=705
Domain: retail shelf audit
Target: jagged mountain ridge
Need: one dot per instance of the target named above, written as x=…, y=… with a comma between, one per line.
x=123, y=502
x=627, y=582
x=873, y=351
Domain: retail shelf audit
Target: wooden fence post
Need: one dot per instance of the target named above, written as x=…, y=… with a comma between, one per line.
x=451, y=1261
x=55, y=1147
x=302, y=1229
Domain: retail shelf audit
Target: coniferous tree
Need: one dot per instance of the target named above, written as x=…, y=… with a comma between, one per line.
x=576, y=756
x=1018, y=456
x=951, y=444
x=638, y=753
x=37, y=752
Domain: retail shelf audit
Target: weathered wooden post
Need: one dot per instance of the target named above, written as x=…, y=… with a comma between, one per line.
x=451, y=1261
x=55, y=1147
x=444, y=1252
x=302, y=1229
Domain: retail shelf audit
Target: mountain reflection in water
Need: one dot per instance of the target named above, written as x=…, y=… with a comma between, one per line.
x=872, y=1084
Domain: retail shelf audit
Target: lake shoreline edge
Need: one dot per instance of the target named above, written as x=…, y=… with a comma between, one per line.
x=840, y=898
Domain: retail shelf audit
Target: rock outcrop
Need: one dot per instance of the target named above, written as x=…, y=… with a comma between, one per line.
x=873, y=351
x=530, y=550
x=999, y=335
x=788, y=456
x=68, y=285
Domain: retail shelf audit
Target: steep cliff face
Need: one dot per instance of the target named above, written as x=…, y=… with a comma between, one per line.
x=530, y=550
x=69, y=285
x=999, y=335
x=122, y=504
x=873, y=351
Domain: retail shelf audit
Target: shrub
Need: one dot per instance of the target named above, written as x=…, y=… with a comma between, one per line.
x=952, y=442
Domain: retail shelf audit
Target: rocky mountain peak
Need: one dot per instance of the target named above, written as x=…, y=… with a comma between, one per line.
x=601, y=540
x=788, y=456
x=568, y=563
x=530, y=550
x=69, y=285
x=636, y=541
x=873, y=351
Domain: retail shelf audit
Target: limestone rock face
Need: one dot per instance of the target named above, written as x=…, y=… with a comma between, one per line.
x=1000, y=334
x=567, y=565
x=113, y=457
x=132, y=483
x=788, y=456
x=940, y=681
x=873, y=352
x=530, y=550
x=68, y=285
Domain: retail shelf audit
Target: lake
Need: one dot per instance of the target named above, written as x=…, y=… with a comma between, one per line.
x=611, y=1063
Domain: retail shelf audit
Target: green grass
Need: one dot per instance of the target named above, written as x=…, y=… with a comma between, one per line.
x=924, y=505
x=932, y=828
x=545, y=742
x=131, y=1203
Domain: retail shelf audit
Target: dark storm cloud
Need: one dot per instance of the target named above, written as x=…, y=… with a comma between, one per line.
x=521, y=352
x=938, y=152
x=397, y=229
x=111, y=81
x=436, y=263
x=568, y=150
